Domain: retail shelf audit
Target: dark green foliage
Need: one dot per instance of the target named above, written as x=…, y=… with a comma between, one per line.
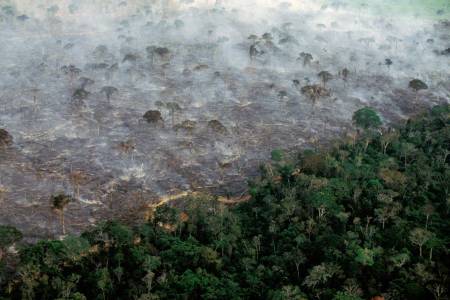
x=358, y=220
x=366, y=118
x=388, y=62
x=8, y=236
x=80, y=94
x=60, y=201
x=417, y=85
x=277, y=155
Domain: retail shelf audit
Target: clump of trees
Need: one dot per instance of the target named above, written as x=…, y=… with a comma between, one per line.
x=261, y=45
x=187, y=125
x=367, y=219
x=161, y=53
x=315, y=91
x=172, y=107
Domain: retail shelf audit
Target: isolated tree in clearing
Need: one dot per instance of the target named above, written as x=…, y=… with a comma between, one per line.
x=417, y=85
x=59, y=203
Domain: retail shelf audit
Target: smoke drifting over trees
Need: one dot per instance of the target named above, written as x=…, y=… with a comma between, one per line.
x=228, y=81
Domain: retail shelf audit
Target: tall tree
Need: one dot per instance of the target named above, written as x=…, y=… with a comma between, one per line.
x=59, y=203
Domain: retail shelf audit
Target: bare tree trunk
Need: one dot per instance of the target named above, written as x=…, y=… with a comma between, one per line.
x=63, y=225
x=297, y=266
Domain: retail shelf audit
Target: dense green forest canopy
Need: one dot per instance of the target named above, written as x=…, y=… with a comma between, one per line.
x=367, y=217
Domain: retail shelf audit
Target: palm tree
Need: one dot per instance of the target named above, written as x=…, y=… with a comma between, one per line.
x=72, y=71
x=109, y=91
x=325, y=76
x=344, y=73
x=417, y=85
x=173, y=108
x=59, y=203
x=388, y=62
x=306, y=57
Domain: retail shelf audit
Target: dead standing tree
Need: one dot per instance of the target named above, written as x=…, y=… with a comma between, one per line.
x=173, y=108
x=77, y=178
x=34, y=91
x=127, y=147
x=315, y=91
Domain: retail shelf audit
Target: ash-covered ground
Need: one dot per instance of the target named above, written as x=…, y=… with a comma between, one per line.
x=118, y=103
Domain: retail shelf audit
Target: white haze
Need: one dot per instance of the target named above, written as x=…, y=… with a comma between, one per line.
x=209, y=74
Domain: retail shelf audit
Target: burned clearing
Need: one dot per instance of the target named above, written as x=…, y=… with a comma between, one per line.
x=116, y=105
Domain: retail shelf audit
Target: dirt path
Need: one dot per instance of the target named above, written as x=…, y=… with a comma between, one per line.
x=221, y=199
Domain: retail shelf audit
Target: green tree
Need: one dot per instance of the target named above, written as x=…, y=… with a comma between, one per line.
x=420, y=236
x=417, y=85
x=8, y=236
x=367, y=118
